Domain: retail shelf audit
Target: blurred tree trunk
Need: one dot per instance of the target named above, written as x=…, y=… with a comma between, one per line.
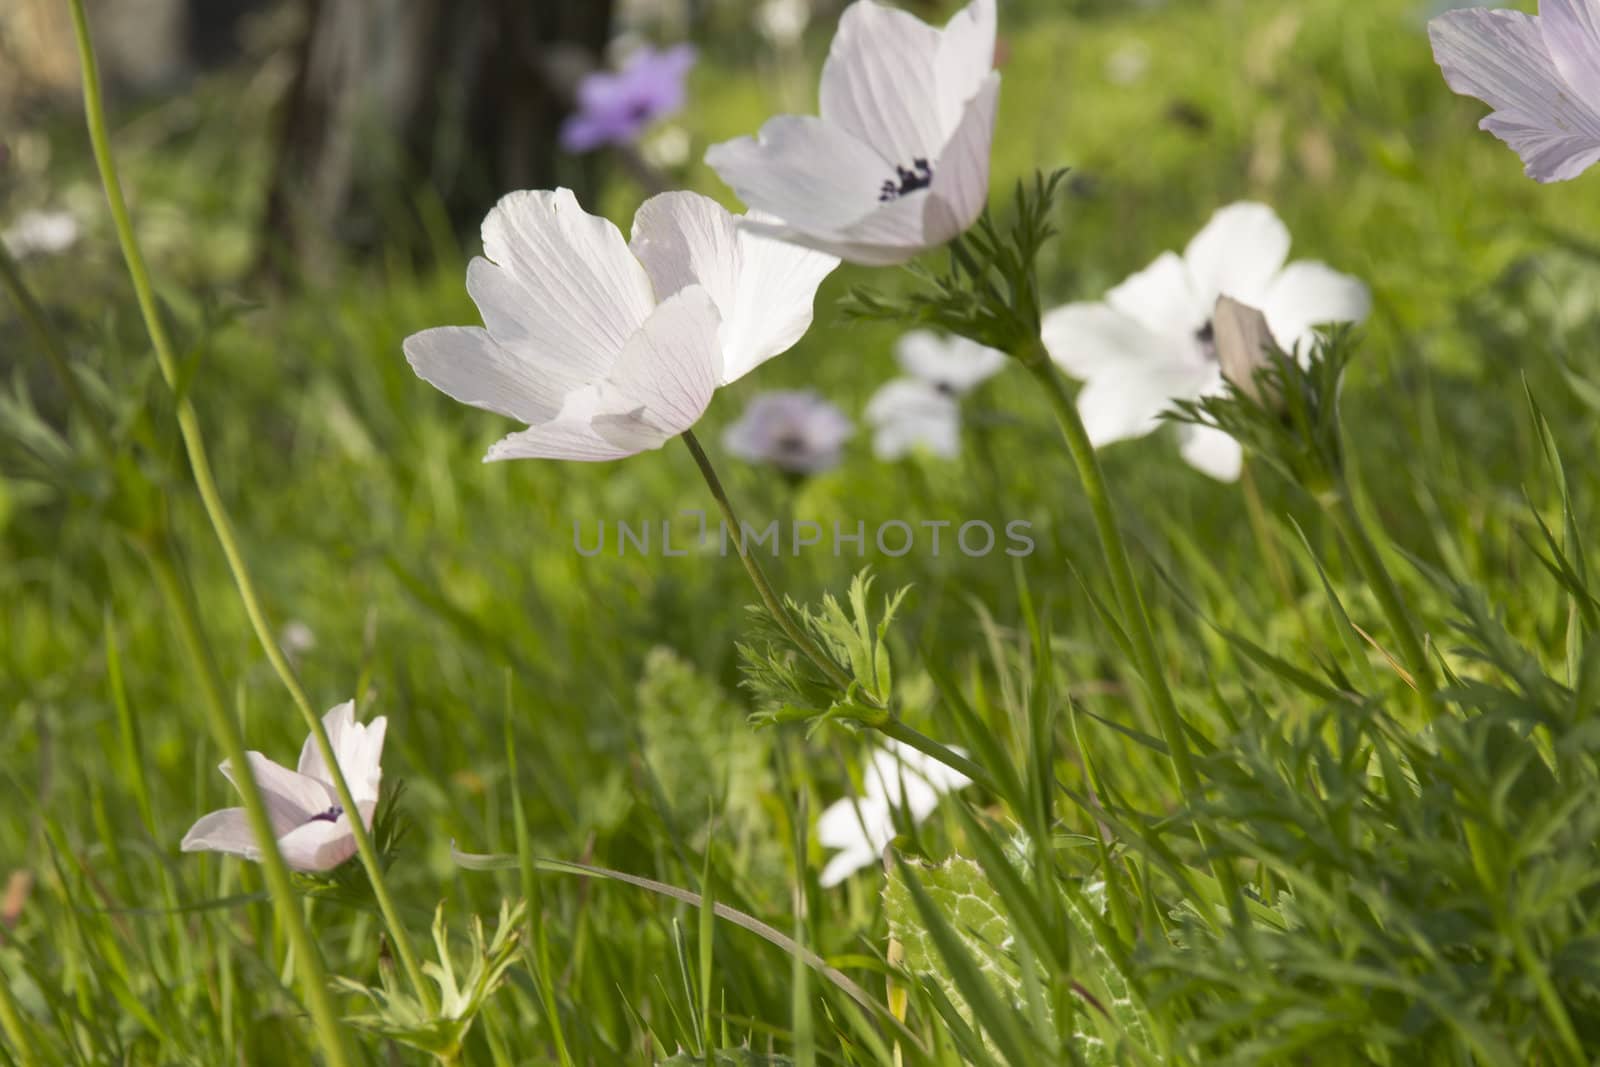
x=396, y=102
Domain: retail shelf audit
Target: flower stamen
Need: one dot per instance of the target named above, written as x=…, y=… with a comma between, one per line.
x=920, y=176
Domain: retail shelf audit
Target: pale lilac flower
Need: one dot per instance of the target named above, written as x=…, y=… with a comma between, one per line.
x=1541, y=74
x=898, y=779
x=606, y=349
x=41, y=233
x=898, y=162
x=313, y=831
x=1151, y=341
x=615, y=108
x=796, y=431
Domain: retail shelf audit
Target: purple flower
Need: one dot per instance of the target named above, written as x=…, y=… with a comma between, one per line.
x=1540, y=73
x=616, y=108
x=797, y=432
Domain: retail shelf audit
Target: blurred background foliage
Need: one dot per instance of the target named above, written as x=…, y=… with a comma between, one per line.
x=448, y=594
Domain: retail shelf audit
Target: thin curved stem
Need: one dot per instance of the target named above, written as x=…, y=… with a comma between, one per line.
x=194, y=447
x=891, y=726
x=1137, y=621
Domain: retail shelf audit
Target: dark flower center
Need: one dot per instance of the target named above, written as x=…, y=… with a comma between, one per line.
x=920, y=176
x=1207, y=336
x=640, y=111
x=790, y=442
x=331, y=815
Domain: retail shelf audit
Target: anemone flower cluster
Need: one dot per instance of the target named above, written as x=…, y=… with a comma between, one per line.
x=922, y=411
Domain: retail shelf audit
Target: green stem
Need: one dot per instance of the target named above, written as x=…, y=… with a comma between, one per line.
x=1340, y=508
x=752, y=566
x=1134, y=617
x=194, y=447
x=890, y=726
x=307, y=957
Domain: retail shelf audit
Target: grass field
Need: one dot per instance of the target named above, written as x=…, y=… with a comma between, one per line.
x=1421, y=882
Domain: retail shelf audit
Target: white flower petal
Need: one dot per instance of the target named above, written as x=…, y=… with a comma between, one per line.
x=1237, y=253
x=814, y=176
x=842, y=866
x=563, y=289
x=1501, y=58
x=226, y=831
x=320, y=845
x=966, y=59
x=465, y=364
x=880, y=83
x=1162, y=298
x=670, y=368
x=763, y=288
x=291, y=798
x=958, y=363
x=358, y=748
x=1571, y=32
x=1307, y=294
x=1127, y=401
x=850, y=822
x=943, y=778
x=560, y=439
x=1212, y=452
x=1087, y=339
x=961, y=177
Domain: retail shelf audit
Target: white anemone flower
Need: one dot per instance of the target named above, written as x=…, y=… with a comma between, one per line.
x=606, y=348
x=908, y=415
x=952, y=364
x=313, y=831
x=898, y=161
x=1541, y=74
x=923, y=411
x=898, y=779
x=1151, y=341
x=796, y=431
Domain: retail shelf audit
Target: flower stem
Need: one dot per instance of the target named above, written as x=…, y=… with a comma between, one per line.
x=307, y=957
x=758, y=577
x=890, y=726
x=194, y=447
x=1340, y=508
x=1147, y=659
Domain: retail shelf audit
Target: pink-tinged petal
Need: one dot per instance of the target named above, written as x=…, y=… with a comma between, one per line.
x=320, y=845
x=1571, y=32
x=291, y=798
x=226, y=831
x=966, y=58
x=1129, y=400
x=1087, y=340
x=466, y=364
x=961, y=177
x=667, y=373
x=1237, y=253
x=562, y=288
x=1306, y=294
x=1212, y=452
x=813, y=176
x=880, y=83
x=1500, y=57
x=1162, y=298
x=763, y=288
